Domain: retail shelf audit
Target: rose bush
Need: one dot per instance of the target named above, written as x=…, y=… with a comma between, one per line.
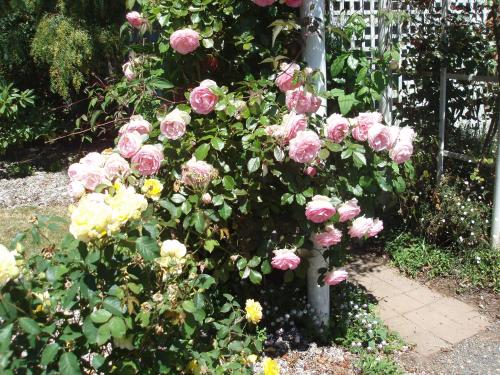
x=215, y=177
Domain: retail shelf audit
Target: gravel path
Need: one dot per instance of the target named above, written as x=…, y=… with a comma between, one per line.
x=41, y=189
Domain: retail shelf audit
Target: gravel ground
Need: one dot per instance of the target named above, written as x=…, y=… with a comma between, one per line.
x=477, y=355
x=41, y=189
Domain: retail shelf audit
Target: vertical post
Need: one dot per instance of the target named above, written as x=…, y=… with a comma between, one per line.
x=385, y=105
x=442, y=98
x=495, y=222
x=315, y=57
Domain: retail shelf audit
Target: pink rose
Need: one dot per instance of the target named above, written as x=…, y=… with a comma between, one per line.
x=128, y=70
x=263, y=3
x=135, y=19
x=349, y=210
x=301, y=101
x=202, y=99
x=197, y=173
x=293, y=3
x=330, y=237
x=394, y=132
x=360, y=227
x=148, y=159
x=75, y=171
x=379, y=137
x=305, y=147
x=76, y=189
x=129, y=144
x=311, y=171
x=284, y=81
x=92, y=177
x=206, y=198
x=376, y=228
x=406, y=134
x=116, y=166
x=292, y=124
x=401, y=152
x=185, y=41
x=93, y=159
x=335, y=277
x=360, y=133
x=285, y=260
x=364, y=122
x=173, y=126
x=319, y=209
x=337, y=128
x=138, y=124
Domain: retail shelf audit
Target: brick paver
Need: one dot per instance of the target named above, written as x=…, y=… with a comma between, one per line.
x=430, y=320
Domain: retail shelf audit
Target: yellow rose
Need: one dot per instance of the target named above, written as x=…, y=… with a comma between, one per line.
x=173, y=249
x=125, y=205
x=90, y=218
x=271, y=367
x=152, y=188
x=253, y=310
x=8, y=267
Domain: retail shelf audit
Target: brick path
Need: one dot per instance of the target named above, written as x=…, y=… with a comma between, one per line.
x=421, y=316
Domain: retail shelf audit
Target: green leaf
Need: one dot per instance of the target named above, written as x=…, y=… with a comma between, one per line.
x=103, y=334
x=29, y=326
x=100, y=316
x=279, y=154
x=177, y=198
x=201, y=151
x=90, y=331
x=253, y=164
x=276, y=31
x=97, y=360
x=255, y=277
x=265, y=267
x=225, y=211
x=68, y=364
x=130, y=4
x=235, y=346
x=338, y=65
x=113, y=305
x=117, y=327
x=352, y=62
x=147, y=247
x=189, y=306
x=208, y=43
x=300, y=199
x=199, y=221
x=49, y=353
x=345, y=103
x=359, y=159
x=5, y=337
x=228, y=183
x=161, y=84
x=217, y=143
x=399, y=184
x=286, y=198
x=210, y=245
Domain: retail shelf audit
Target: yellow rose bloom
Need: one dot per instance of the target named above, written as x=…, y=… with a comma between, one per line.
x=173, y=249
x=8, y=267
x=253, y=310
x=90, y=218
x=252, y=358
x=271, y=367
x=125, y=205
x=152, y=188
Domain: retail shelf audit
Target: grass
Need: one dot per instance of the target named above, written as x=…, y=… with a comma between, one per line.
x=475, y=266
x=22, y=219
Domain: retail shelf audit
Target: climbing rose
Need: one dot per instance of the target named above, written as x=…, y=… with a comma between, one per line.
x=401, y=152
x=305, y=147
x=284, y=81
x=330, y=237
x=92, y=177
x=173, y=248
x=152, y=188
x=148, y=159
x=311, y=171
x=263, y=3
x=116, y=166
x=138, y=124
x=337, y=128
x=253, y=311
x=270, y=366
x=376, y=228
x=8, y=267
x=185, y=41
x=335, y=277
x=128, y=70
x=394, y=132
x=319, y=209
x=129, y=144
x=197, y=173
x=94, y=159
x=285, y=260
x=75, y=170
x=379, y=137
x=301, y=101
x=290, y=126
x=360, y=227
x=293, y=3
x=135, y=19
x=349, y=210
x=173, y=126
x=364, y=122
x=202, y=99
x=206, y=198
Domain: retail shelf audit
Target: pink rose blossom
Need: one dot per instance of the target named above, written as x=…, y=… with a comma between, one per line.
x=311, y=171
x=292, y=125
x=75, y=171
x=92, y=177
x=285, y=260
x=173, y=126
x=319, y=209
x=349, y=210
x=330, y=237
x=379, y=137
x=76, y=189
x=116, y=166
x=93, y=159
x=406, y=134
x=293, y=3
x=360, y=227
x=401, y=152
x=364, y=122
x=263, y=3
x=304, y=148
x=138, y=124
x=337, y=128
x=394, y=132
x=129, y=144
x=376, y=228
x=360, y=133
x=284, y=81
x=301, y=101
x=185, y=41
x=148, y=159
x=128, y=70
x=335, y=277
x=135, y=19
x=206, y=198
x=197, y=173
x=202, y=99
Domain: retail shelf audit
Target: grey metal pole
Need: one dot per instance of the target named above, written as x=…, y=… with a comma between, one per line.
x=495, y=222
x=315, y=56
